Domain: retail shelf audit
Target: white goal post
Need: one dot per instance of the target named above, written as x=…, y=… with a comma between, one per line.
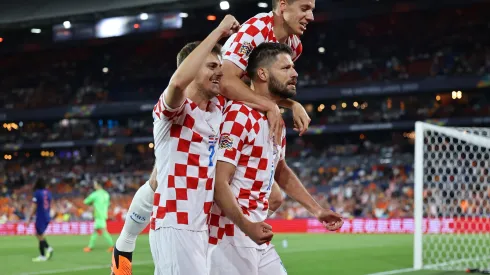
x=451, y=197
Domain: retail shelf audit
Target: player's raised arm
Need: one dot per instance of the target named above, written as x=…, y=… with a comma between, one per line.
x=185, y=73
x=290, y=183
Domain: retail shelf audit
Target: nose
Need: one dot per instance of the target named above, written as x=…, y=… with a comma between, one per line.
x=309, y=16
x=219, y=71
x=295, y=74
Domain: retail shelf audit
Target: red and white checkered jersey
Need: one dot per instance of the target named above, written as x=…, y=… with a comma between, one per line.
x=253, y=32
x=184, y=149
x=245, y=143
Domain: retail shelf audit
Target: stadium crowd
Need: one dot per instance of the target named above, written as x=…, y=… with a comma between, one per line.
x=329, y=112
x=128, y=68
x=358, y=180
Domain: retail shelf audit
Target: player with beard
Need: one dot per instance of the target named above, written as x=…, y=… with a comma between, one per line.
x=248, y=162
x=142, y=205
x=284, y=24
x=186, y=127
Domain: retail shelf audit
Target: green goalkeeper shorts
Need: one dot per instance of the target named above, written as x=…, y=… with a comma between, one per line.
x=100, y=224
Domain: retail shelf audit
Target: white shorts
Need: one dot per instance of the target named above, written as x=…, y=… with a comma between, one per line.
x=179, y=252
x=227, y=259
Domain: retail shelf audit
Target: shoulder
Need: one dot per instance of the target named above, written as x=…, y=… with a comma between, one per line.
x=263, y=17
x=239, y=107
x=161, y=110
x=257, y=27
x=240, y=116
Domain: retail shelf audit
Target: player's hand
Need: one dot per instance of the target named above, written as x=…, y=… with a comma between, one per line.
x=259, y=232
x=301, y=118
x=228, y=26
x=276, y=123
x=331, y=220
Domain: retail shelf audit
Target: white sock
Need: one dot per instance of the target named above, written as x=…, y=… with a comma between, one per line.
x=137, y=218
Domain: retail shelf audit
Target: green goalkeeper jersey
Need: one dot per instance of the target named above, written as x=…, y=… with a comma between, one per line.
x=100, y=199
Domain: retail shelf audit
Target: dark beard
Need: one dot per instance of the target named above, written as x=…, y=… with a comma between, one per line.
x=280, y=89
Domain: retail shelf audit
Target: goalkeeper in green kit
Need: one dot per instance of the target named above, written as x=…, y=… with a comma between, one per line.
x=100, y=200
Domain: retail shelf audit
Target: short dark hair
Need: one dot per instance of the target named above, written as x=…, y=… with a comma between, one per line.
x=276, y=2
x=264, y=55
x=189, y=47
x=40, y=184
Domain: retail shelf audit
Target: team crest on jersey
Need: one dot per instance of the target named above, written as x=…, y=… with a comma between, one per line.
x=246, y=49
x=226, y=142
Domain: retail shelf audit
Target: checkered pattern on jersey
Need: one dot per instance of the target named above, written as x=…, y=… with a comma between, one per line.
x=163, y=112
x=245, y=143
x=189, y=181
x=253, y=32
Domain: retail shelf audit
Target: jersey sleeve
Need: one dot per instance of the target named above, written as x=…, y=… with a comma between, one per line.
x=235, y=128
x=241, y=44
x=162, y=111
x=90, y=199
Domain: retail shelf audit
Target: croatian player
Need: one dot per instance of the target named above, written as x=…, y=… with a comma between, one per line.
x=186, y=127
x=248, y=162
x=141, y=206
x=42, y=205
x=100, y=200
x=284, y=24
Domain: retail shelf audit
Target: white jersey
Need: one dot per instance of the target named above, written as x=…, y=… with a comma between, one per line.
x=245, y=143
x=184, y=149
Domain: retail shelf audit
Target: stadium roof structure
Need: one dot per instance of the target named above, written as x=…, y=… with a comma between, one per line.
x=25, y=13
x=19, y=13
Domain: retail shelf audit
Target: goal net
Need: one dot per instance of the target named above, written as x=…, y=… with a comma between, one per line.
x=451, y=197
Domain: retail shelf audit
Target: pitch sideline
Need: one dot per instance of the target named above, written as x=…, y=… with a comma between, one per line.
x=395, y=271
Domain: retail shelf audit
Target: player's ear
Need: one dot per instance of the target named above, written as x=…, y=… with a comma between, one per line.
x=282, y=5
x=262, y=74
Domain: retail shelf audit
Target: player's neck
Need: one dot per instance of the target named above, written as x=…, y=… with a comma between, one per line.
x=280, y=28
x=263, y=90
x=200, y=98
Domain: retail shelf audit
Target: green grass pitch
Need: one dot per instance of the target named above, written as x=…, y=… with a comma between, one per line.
x=312, y=254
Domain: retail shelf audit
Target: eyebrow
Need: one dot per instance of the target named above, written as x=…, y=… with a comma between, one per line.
x=308, y=6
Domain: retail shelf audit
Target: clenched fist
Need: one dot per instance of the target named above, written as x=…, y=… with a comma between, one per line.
x=228, y=26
